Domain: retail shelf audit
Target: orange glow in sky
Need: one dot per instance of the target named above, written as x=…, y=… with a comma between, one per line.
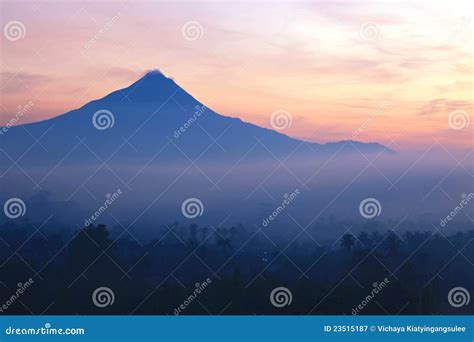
x=379, y=71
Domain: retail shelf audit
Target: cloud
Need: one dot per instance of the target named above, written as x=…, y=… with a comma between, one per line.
x=444, y=106
x=124, y=73
x=11, y=82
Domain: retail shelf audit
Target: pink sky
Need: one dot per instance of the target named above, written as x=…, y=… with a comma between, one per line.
x=391, y=72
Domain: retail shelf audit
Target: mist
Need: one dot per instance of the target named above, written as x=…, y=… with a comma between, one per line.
x=417, y=187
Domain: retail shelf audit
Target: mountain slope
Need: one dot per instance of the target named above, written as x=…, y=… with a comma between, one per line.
x=153, y=120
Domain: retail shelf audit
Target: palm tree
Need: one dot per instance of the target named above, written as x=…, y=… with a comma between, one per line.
x=348, y=241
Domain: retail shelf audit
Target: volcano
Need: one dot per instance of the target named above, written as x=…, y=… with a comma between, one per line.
x=154, y=121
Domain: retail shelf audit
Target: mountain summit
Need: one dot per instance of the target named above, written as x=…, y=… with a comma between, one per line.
x=153, y=86
x=154, y=121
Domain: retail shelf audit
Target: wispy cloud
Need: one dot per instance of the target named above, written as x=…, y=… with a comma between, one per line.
x=443, y=106
x=308, y=58
x=13, y=82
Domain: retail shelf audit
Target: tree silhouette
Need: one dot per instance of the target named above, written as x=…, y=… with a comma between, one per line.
x=160, y=272
x=223, y=239
x=393, y=243
x=348, y=241
x=193, y=235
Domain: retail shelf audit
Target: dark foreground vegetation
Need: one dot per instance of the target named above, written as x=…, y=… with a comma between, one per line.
x=244, y=266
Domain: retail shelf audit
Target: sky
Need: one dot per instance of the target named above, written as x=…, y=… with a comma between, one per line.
x=399, y=73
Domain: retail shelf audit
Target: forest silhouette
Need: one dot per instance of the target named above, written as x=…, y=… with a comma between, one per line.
x=245, y=266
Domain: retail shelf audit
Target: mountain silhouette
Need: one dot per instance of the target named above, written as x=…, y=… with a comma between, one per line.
x=153, y=121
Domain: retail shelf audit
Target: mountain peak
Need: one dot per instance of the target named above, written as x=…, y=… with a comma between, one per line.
x=154, y=72
x=155, y=75
x=153, y=86
x=155, y=93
